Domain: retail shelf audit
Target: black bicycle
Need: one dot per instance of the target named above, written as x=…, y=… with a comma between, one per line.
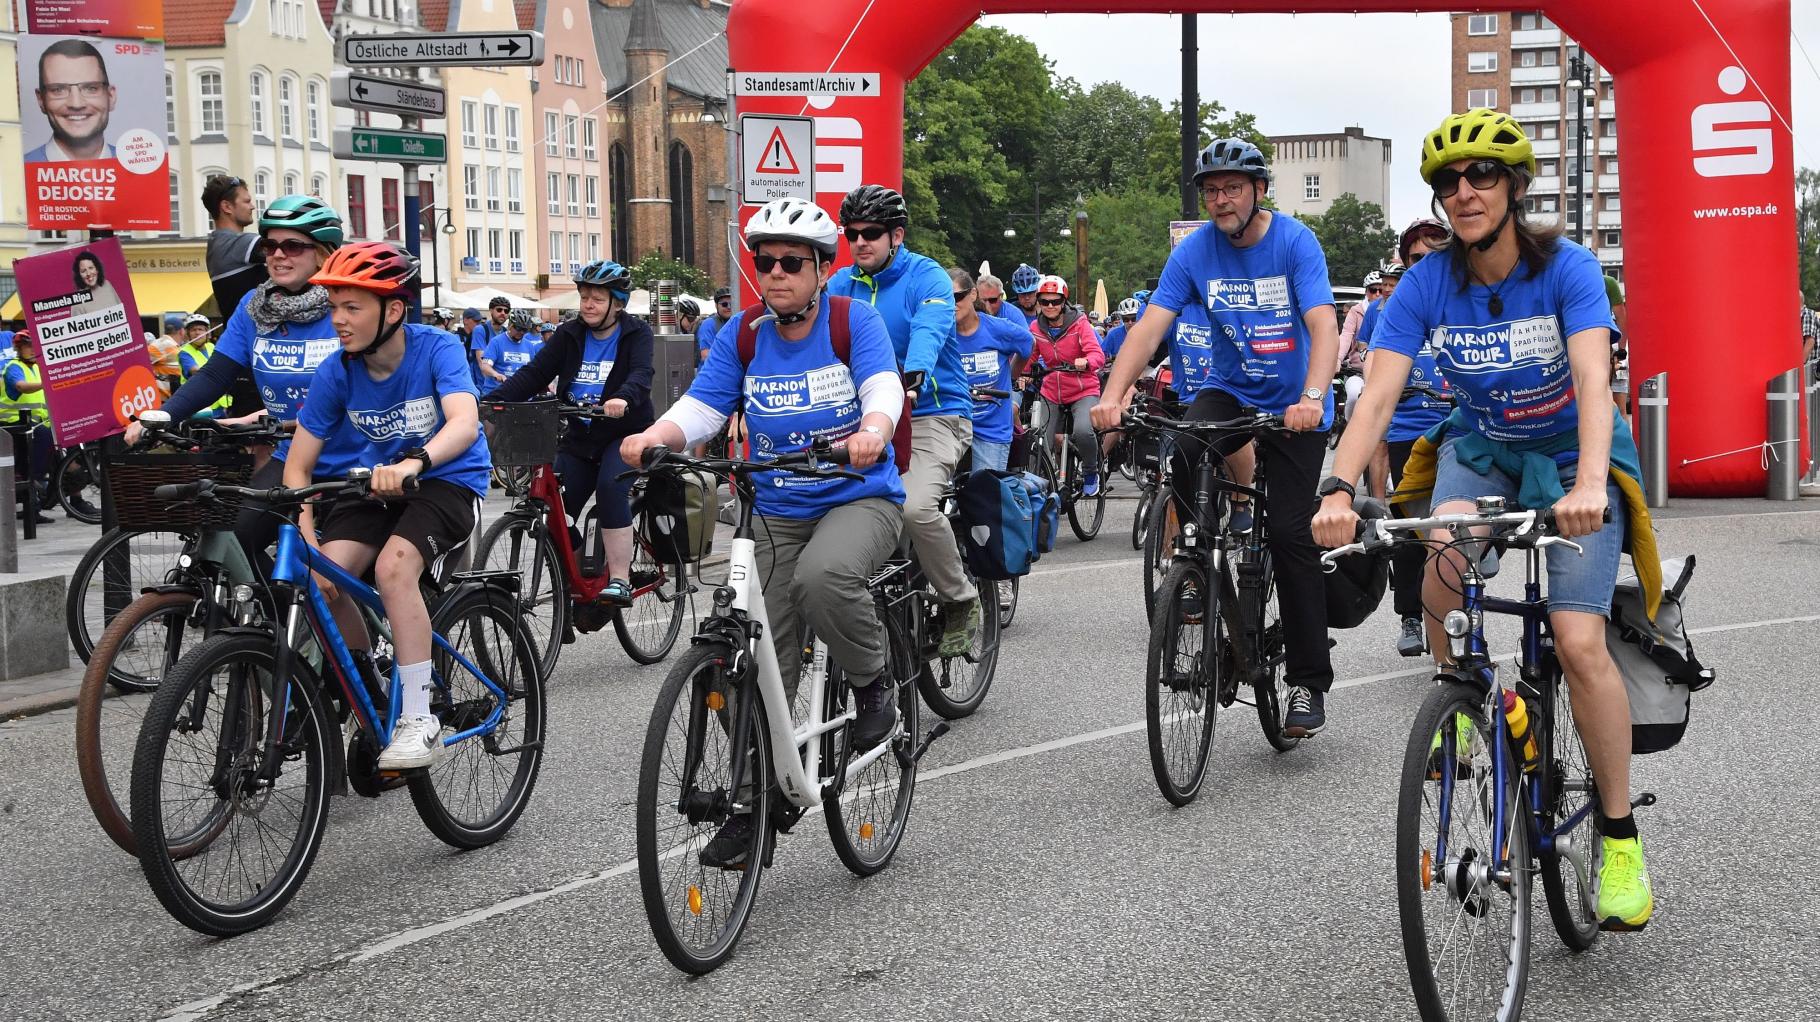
x=1215, y=626
x=1061, y=471
x=1007, y=588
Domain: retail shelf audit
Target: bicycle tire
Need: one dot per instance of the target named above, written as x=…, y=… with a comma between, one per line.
x=854, y=831
x=185, y=695
x=700, y=672
x=1141, y=517
x=954, y=687
x=79, y=475
x=657, y=615
x=502, y=648
x=1270, y=689
x=1094, y=508
x=85, y=605
x=1159, y=547
x=544, y=585
x=1007, y=602
x=1459, y=889
x=98, y=715
x=1568, y=785
x=1177, y=690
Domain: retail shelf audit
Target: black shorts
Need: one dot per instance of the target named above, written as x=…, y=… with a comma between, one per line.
x=437, y=519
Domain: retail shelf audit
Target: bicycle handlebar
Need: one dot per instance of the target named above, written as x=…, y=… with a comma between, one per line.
x=811, y=462
x=990, y=394
x=1256, y=423
x=161, y=428
x=359, y=482
x=1520, y=529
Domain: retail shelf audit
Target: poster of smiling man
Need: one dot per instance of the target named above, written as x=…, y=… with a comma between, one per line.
x=92, y=120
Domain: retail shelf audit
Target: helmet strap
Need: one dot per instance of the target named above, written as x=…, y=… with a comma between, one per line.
x=1485, y=243
x=781, y=319
x=1245, y=225
x=384, y=334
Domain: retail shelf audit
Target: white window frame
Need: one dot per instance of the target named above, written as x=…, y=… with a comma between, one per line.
x=515, y=190
x=1490, y=97
x=588, y=150
x=170, y=105
x=1481, y=24
x=512, y=120
x=470, y=179
x=550, y=121
x=593, y=196
x=568, y=135
x=1483, y=62
x=515, y=245
x=1311, y=186
x=495, y=243
x=490, y=124
x=293, y=182
x=474, y=251
x=574, y=195
x=319, y=183
x=469, y=115
x=211, y=105
x=262, y=190
x=256, y=100
x=553, y=193
x=287, y=106
x=556, y=252
x=493, y=190
x=313, y=108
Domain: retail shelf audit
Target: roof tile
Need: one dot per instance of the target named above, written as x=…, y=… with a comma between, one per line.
x=196, y=22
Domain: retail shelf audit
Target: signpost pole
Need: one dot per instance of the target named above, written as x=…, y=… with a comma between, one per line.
x=735, y=201
x=413, y=223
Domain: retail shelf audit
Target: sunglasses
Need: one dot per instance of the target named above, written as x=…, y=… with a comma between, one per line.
x=994, y=300
x=725, y=303
x=292, y=247
x=1050, y=303
x=790, y=263
x=959, y=295
x=1481, y=174
x=872, y=233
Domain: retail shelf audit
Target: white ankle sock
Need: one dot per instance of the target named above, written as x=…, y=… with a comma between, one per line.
x=414, y=679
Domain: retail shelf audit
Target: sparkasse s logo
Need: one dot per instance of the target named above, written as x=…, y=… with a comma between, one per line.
x=1723, y=126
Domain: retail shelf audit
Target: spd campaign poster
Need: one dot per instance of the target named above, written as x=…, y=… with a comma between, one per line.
x=97, y=371
x=137, y=19
x=91, y=117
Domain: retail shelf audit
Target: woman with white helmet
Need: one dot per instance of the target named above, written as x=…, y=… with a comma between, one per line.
x=820, y=539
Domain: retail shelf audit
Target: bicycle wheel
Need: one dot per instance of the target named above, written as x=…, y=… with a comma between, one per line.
x=1086, y=514
x=78, y=485
x=224, y=850
x=1570, y=869
x=1007, y=602
x=1180, y=680
x=1464, y=915
x=516, y=543
x=1159, y=547
x=1270, y=689
x=649, y=627
x=869, y=812
x=479, y=787
x=1141, y=517
x=92, y=602
x=134, y=655
x=954, y=687
x=686, y=792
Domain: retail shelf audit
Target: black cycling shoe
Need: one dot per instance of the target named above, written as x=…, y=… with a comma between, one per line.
x=1307, y=713
x=877, y=718
x=1412, y=642
x=731, y=844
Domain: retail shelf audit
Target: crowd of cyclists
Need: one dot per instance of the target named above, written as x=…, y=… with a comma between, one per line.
x=898, y=359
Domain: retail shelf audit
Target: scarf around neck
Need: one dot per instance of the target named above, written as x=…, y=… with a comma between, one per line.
x=271, y=306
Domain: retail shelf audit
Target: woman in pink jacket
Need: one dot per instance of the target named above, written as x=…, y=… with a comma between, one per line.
x=1066, y=343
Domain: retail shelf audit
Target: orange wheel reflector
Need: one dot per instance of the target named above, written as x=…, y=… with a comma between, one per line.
x=716, y=702
x=865, y=831
x=1428, y=871
x=694, y=900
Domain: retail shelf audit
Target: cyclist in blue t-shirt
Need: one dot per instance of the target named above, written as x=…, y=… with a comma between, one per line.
x=819, y=539
x=1271, y=343
x=991, y=293
x=990, y=346
x=406, y=390
x=510, y=351
x=1521, y=327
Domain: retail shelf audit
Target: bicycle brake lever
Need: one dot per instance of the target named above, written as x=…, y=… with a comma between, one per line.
x=1548, y=541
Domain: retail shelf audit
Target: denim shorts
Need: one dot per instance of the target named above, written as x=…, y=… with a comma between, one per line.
x=991, y=454
x=1581, y=582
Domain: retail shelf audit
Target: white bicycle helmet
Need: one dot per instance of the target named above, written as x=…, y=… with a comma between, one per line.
x=1128, y=307
x=793, y=220
x=1373, y=279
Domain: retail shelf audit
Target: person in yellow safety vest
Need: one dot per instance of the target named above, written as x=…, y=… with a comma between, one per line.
x=197, y=347
x=22, y=395
x=165, y=368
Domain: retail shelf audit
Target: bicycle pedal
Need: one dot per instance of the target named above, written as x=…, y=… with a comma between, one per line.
x=1643, y=801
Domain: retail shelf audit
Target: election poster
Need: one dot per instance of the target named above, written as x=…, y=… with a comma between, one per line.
x=1179, y=229
x=92, y=123
x=97, y=372
x=136, y=19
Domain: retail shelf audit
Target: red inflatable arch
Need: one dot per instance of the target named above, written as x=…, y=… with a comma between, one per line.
x=1708, y=172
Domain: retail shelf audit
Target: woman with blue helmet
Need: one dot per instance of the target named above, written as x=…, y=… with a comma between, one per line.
x=601, y=357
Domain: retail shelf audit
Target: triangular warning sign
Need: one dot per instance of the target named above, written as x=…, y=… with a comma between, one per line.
x=776, y=157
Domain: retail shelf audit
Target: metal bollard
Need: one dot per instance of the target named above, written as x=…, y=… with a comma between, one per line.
x=1784, y=439
x=9, y=515
x=1813, y=424
x=1652, y=438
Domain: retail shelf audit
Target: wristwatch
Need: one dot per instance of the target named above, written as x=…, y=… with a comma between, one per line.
x=1332, y=485
x=419, y=453
x=1313, y=394
x=874, y=430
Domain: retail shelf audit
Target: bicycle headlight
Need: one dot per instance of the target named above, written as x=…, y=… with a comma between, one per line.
x=243, y=594
x=1456, y=624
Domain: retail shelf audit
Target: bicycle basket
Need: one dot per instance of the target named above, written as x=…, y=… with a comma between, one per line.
x=524, y=434
x=131, y=478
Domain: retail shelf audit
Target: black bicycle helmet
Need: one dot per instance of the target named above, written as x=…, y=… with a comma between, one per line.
x=874, y=204
x=1356, y=585
x=687, y=307
x=500, y=302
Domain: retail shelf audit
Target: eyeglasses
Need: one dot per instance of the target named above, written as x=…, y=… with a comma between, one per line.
x=958, y=295
x=1481, y=174
x=724, y=302
x=872, y=233
x=994, y=300
x=292, y=247
x=790, y=263
x=1050, y=303
x=1232, y=189
x=61, y=90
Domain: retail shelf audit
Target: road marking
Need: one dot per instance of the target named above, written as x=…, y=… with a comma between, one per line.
x=197, y=1010
x=1735, y=514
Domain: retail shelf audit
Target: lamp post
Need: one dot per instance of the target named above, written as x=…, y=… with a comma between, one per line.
x=1580, y=87
x=431, y=216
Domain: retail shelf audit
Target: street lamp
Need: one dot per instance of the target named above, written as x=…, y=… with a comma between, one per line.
x=1580, y=86
x=434, y=215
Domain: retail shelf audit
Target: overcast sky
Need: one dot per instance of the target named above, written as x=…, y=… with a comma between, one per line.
x=1322, y=72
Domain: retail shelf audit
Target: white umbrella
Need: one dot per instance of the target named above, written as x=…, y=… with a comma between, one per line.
x=480, y=296
x=564, y=302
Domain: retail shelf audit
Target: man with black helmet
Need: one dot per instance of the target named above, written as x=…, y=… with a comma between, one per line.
x=710, y=326
x=913, y=294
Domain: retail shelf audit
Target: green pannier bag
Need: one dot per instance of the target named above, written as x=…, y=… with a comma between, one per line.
x=676, y=515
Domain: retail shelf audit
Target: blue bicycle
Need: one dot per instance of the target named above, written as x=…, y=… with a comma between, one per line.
x=242, y=744
x=1496, y=787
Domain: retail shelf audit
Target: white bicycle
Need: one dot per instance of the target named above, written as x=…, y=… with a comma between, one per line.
x=714, y=749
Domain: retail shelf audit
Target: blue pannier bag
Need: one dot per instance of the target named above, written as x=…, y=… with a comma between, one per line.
x=998, y=524
x=1048, y=510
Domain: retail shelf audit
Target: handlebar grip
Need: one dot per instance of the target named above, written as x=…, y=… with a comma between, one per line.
x=991, y=392
x=182, y=491
x=652, y=456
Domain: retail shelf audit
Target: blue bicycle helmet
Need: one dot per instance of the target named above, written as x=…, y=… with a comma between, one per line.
x=1231, y=154
x=1143, y=297
x=1024, y=279
x=608, y=274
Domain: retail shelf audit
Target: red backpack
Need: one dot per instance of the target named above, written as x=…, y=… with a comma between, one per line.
x=842, y=341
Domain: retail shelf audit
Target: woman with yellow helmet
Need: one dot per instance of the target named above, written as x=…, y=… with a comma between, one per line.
x=1521, y=330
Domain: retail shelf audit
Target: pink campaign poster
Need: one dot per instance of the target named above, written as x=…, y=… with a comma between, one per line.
x=97, y=370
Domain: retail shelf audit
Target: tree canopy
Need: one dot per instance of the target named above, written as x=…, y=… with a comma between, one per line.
x=1355, y=237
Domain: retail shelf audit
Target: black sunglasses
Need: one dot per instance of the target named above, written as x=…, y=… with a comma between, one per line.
x=994, y=300
x=872, y=233
x=958, y=295
x=1481, y=174
x=791, y=263
x=292, y=247
x=1051, y=302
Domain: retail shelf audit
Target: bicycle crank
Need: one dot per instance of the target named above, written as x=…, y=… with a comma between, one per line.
x=908, y=760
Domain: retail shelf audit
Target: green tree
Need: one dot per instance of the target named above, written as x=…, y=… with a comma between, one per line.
x=1163, y=160
x=1129, y=235
x=656, y=266
x=1354, y=236
x=1807, y=231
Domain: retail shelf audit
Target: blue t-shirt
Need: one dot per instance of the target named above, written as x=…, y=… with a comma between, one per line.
x=916, y=298
x=1256, y=299
x=706, y=330
x=509, y=356
x=1191, y=352
x=402, y=411
x=283, y=362
x=987, y=354
x=1008, y=311
x=797, y=392
x=1509, y=372
x=1114, y=340
x=597, y=357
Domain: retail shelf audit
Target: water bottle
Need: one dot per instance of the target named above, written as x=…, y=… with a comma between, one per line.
x=1516, y=715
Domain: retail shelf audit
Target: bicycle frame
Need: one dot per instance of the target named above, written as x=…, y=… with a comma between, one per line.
x=547, y=489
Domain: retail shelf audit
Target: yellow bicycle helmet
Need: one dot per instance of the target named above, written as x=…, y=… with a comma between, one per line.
x=1477, y=134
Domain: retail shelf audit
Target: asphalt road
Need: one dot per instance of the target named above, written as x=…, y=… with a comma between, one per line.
x=1043, y=876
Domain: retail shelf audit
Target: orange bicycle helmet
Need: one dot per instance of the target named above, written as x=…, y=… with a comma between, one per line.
x=377, y=266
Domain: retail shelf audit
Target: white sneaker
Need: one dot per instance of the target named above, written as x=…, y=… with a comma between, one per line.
x=415, y=743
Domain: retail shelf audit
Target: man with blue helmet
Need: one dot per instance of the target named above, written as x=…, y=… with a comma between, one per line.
x=1024, y=281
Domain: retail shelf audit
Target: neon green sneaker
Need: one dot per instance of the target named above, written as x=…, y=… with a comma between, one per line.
x=1463, y=734
x=1625, y=902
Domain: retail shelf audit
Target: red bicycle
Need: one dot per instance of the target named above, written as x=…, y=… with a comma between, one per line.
x=533, y=539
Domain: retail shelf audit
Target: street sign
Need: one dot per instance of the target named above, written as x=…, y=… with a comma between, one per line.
x=390, y=146
x=443, y=49
x=805, y=83
x=368, y=92
x=777, y=158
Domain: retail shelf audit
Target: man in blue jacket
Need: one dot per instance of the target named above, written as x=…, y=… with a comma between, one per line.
x=912, y=293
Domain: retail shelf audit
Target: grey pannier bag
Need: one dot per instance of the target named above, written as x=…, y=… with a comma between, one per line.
x=1656, y=658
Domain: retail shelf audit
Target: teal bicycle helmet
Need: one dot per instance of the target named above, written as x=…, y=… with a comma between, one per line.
x=305, y=214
